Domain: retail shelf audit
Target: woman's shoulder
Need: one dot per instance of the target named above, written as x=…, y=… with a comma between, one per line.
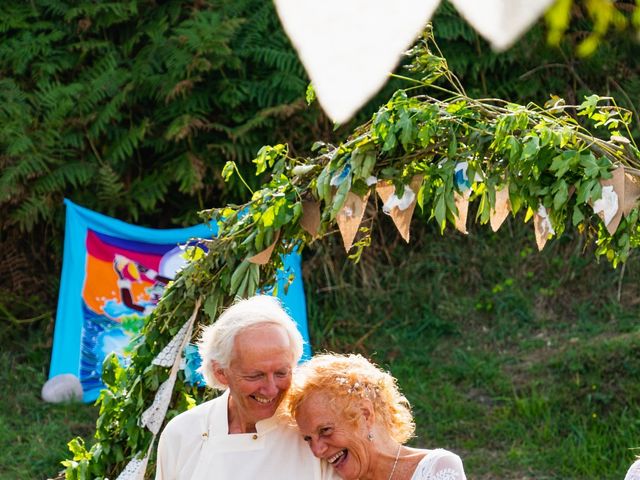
x=439, y=464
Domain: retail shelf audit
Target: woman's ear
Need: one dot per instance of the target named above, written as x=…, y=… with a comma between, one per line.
x=220, y=373
x=368, y=413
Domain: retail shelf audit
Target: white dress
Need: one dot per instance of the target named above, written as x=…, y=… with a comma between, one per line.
x=634, y=471
x=440, y=464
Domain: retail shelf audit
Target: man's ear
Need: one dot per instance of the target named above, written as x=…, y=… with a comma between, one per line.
x=368, y=413
x=219, y=372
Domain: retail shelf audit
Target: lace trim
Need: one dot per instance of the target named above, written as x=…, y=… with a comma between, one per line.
x=167, y=356
x=153, y=416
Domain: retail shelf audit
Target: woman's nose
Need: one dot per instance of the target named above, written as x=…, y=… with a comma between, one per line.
x=318, y=447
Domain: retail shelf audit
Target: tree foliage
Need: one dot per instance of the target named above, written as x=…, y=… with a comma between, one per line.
x=549, y=59
x=539, y=153
x=131, y=108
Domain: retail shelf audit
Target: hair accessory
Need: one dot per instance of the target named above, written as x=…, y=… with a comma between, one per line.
x=370, y=436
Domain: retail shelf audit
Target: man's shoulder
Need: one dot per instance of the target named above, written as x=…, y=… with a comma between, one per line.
x=190, y=420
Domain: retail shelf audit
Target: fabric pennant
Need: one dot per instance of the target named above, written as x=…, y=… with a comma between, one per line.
x=349, y=47
x=609, y=205
x=167, y=356
x=262, y=258
x=542, y=226
x=462, y=204
x=153, y=416
x=631, y=193
x=501, y=209
x=135, y=469
x=350, y=217
x=400, y=213
x=501, y=22
x=310, y=219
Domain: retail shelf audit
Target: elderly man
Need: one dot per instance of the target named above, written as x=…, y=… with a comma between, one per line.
x=249, y=352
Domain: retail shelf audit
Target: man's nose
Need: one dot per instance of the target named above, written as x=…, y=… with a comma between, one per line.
x=270, y=388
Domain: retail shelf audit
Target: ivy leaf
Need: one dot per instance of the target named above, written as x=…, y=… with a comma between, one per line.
x=578, y=216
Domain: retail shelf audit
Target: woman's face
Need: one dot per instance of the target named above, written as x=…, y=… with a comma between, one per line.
x=333, y=437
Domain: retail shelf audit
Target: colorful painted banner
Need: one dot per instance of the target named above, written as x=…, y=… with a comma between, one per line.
x=113, y=275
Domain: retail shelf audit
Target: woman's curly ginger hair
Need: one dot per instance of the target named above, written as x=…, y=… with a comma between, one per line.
x=350, y=378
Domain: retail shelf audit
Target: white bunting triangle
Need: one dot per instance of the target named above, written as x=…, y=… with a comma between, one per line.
x=153, y=416
x=135, y=469
x=349, y=47
x=167, y=356
x=501, y=22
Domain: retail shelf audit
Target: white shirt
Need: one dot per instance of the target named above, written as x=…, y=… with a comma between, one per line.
x=196, y=445
x=440, y=464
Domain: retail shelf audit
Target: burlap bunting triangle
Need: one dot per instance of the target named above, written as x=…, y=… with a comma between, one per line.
x=350, y=216
x=462, y=204
x=542, y=227
x=262, y=258
x=631, y=193
x=401, y=218
x=617, y=181
x=501, y=209
x=310, y=219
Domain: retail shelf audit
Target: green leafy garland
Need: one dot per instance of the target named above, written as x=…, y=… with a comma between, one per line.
x=541, y=153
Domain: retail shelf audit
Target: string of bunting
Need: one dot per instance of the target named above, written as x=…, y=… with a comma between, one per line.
x=620, y=194
x=154, y=416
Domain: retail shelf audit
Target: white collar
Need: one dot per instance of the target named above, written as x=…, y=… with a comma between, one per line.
x=219, y=418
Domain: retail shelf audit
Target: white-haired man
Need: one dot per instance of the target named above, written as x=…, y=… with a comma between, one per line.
x=249, y=352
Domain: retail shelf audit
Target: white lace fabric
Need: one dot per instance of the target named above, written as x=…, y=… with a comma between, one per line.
x=440, y=464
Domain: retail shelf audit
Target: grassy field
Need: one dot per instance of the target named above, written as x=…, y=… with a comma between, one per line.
x=33, y=434
x=524, y=363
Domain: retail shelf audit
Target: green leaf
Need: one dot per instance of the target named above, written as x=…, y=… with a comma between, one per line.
x=440, y=211
x=531, y=147
x=228, y=169
x=561, y=196
x=210, y=306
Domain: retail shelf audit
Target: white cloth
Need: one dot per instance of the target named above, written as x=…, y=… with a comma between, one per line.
x=440, y=464
x=634, y=471
x=196, y=445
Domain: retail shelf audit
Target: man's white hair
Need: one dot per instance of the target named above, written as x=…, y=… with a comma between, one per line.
x=217, y=340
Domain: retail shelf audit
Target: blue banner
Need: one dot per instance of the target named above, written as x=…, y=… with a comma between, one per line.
x=113, y=275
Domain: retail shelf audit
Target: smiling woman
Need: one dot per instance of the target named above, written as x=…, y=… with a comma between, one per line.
x=353, y=416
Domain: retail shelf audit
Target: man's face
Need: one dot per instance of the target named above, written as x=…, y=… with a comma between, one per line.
x=258, y=375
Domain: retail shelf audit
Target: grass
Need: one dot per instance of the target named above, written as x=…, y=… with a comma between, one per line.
x=33, y=434
x=524, y=363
